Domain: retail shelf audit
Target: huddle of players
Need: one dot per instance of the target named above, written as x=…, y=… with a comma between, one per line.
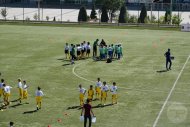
x=5, y=91
x=107, y=51
x=77, y=51
x=101, y=92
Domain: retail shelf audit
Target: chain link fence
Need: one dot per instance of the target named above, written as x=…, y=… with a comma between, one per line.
x=63, y=13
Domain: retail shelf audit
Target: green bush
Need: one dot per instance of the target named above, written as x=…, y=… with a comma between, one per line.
x=123, y=15
x=93, y=13
x=82, y=16
x=104, y=16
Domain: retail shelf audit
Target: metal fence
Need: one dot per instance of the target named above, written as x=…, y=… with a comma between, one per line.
x=62, y=12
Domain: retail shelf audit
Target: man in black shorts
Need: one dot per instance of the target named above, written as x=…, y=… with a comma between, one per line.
x=87, y=108
x=95, y=48
x=168, y=59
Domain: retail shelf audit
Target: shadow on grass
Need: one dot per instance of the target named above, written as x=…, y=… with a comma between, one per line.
x=67, y=64
x=30, y=112
x=15, y=100
x=16, y=105
x=161, y=71
x=74, y=107
x=102, y=106
x=63, y=59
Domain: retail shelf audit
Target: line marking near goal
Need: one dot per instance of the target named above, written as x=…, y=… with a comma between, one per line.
x=172, y=89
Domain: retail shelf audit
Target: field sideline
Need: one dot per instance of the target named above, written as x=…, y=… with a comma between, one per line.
x=35, y=53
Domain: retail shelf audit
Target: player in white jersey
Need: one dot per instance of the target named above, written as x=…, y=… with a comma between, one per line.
x=25, y=91
x=79, y=51
x=113, y=90
x=7, y=93
x=98, y=88
x=82, y=92
x=88, y=47
x=39, y=95
x=66, y=50
x=20, y=89
x=104, y=90
x=1, y=87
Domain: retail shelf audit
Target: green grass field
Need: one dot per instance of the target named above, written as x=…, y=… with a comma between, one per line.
x=35, y=53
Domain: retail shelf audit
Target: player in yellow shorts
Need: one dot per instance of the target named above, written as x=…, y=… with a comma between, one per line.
x=1, y=87
x=98, y=88
x=39, y=95
x=113, y=90
x=90, y=93
x=82, y=92
x=25, y=92
x=20, y=89
x=7, y=94
x=104, y=90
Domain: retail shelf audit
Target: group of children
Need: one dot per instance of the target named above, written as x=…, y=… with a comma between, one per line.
x=80, y=51
x=101, y=91
x=5, y=92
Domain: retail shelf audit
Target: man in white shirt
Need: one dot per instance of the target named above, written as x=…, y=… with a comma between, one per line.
x=7, y=93
x=20, y=89
x=113, y=90
x=66, y=50
x=98, y=88
x=104, y=89
x=82, y=92
x=39, y=95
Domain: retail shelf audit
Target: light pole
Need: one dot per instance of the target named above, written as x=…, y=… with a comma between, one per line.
x=171, y=5
x=38, y=10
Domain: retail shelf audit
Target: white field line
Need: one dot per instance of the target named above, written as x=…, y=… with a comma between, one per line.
x=172, y=89
x=79, y=75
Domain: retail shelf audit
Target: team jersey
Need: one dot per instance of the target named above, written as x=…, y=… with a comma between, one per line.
x=82, y=47
x=90, y=92
x=101, y=50
x=105, y=88
x=7, y=89
x=39, y=93
x=19, y=85
x=99, y=84
x=70, y=48
x=113, y=89
x=25, y=87
x=119, y=49
x=82, y=90
x=66, y=47
x=88, y=47
x=1, y=85
x=106, y=50
x=110, y=49
x=79, y=48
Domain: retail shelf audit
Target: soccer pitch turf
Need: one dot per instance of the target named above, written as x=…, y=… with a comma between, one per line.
x=36, y=55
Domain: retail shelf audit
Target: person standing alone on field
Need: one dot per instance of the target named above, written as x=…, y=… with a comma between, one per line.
x=87, y=109
x=168, y=59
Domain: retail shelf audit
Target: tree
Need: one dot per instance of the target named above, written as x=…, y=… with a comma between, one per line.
x=112, y=6
x=104, y=16
x=93, y=13
x=4, y=13
x=35, y=16
x=167, y=17
x=176, y=19
x=143, y=14
x=123, y=15
x=82, y=16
